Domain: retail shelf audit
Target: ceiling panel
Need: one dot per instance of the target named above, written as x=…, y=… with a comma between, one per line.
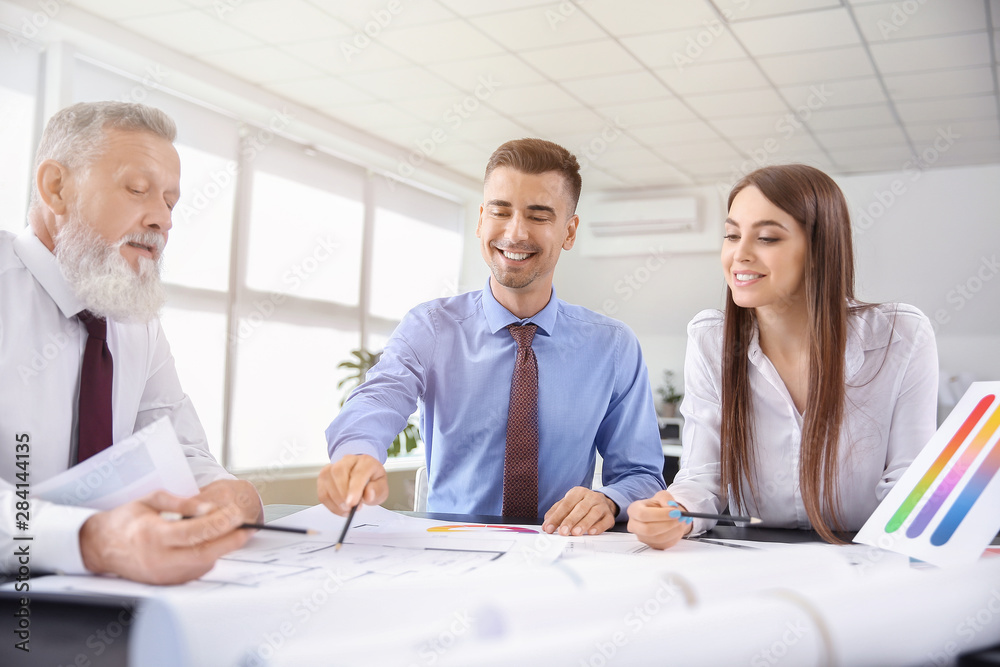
x=649, y=93
x=807, y=31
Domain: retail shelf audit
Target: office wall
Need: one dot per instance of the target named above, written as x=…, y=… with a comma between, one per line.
x=930, y=238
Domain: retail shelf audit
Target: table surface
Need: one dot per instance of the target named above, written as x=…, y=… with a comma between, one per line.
x=93, y=630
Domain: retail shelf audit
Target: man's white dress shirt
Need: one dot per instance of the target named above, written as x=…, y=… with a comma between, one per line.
x=890, y=411
x=41, y=353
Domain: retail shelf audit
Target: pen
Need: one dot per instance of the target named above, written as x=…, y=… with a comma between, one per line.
x=723, y=517
x=174, y=516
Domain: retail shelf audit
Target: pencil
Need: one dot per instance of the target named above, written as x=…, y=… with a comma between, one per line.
x=723, y=517
x=347, y=524
x=174, y=516
x=283, y=529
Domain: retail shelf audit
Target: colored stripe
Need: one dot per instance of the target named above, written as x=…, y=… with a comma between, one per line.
x=954, y=475
x=968, y=497
x=938, y=465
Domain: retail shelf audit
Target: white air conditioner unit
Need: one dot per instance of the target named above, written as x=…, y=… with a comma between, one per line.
x=658, y=216
x=626, y=224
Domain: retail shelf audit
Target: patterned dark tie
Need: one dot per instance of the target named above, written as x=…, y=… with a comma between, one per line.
x=520, y=465
x=94, y=415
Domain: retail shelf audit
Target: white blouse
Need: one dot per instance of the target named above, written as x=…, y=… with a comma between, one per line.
x=890, y=412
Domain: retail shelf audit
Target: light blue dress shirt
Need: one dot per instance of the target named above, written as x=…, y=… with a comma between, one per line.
x=453, y=358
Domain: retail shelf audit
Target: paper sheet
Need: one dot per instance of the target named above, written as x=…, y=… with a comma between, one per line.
x=148, y=460
x=946, y=508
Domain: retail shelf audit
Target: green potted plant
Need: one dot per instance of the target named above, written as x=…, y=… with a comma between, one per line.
x=669, y=396
x=359, y=364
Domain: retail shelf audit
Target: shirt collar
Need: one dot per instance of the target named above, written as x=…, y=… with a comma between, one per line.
x=863, y=334
x=498, y=317
x=42, y=264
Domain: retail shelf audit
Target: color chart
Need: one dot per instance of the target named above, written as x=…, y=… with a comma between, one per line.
x=946, y=508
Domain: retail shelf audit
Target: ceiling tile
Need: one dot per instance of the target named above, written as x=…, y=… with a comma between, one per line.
x=477, y=7
x=439, y=42
x=645, y=16
x=372, y=116
x=448, y=110
x=580, y=60
x=808, y=31
x=324, y=92
x=330, y=55
x=490, y=130
x=874, y=115
x=651, y=176
x=948, y=109
x=191, y=31
x=629, y=157
x=896, y=155
x=971, y=152
x=817, y=66
x=261, y=65
x=943, y=83
x=932, y=53
x=681, y=49
x=519, y=100
x=123, y=9
x=713, y=77
x=741, y=10
x=373, y=17
x=965, y=130
x=777, y=144
x=415, y=137
x=723, y=105
x=651, y=112
x=284, y=21
x=567, y=122
x=674, y=133
x=534, y=27
x=864, y=136
x=845, y=92
x=700, y=152
x=616, y=88
x=749, y=125
x=410, y=81
x=467, y=73
x=901, y=20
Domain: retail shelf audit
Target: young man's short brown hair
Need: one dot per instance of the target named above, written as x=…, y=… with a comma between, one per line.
x=537, y=156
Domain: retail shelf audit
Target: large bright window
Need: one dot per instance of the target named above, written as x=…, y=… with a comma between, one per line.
x=281, y=260
x=18, y=83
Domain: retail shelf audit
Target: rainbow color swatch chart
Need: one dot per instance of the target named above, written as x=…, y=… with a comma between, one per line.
x=946, y=508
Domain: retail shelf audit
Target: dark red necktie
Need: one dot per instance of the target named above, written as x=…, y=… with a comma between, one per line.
x=520, y=464
x=94, y=415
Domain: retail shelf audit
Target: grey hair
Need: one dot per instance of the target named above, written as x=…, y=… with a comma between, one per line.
x=75, y=136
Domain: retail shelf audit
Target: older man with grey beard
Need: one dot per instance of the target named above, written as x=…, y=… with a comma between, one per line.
x=84, y=363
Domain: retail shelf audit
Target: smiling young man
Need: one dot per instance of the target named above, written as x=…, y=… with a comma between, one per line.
x=509, y=431
x=83, y=361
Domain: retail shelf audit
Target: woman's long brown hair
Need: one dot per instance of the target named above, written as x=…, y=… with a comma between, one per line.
x=816, y=202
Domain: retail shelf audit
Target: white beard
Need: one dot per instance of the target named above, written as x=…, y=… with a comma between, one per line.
x=103, y=279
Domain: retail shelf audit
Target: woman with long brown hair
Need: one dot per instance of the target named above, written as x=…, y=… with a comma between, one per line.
x=802, y=405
